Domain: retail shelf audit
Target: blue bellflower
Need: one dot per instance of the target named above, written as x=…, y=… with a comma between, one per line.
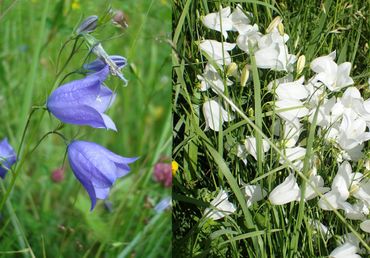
x=96, y=168
x=99, y=64
x=7, y=157
x=84, y=101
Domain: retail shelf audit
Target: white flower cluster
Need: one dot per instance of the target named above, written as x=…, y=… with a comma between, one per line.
x=343, y=119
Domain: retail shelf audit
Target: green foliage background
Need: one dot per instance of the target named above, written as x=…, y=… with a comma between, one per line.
x=47, y=219
x=208, y=160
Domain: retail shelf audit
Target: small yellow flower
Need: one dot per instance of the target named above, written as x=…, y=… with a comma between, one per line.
x=75, y=5
x=175, y=167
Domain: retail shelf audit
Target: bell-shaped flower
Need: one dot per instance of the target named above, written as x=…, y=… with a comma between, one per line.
x=273, y=53
x=250, y=144
x=316, y=182
x=221, y=207
x=340, y=188
x=83, y=102
x=219, y=21
x=292, y=90
x=365, y=226
x=333, y=76
x=291, y=109
x=353, y=103
x=317, y=92
x=96, y=168
x=240, y=20
x=98, y=64
x=289, y=131
x=254, y=193
x=275, y=57
x=274, y=37
x=288, y=191
x=352, y=131
x=211, y=78
x=215, y=115
x=295, y=156
x=361, y=190
x=357, y=211
x=217, y=51
x=347, y=250
x=7, y=157
x=249, y=38
x=328, y=114
x=101, y=54
x=334, y=198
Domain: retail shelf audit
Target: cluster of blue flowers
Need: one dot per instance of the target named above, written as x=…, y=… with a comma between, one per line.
x=83, y=102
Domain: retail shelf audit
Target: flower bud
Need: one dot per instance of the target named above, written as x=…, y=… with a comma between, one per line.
x=275, y=22
x=88, y=25
x=367, y=164
x=365, y=226
x=245, y=76
x=250, y=112
x=300, y=64
x=58, y=175
x=231, y=69
x=120, y=19
x=281, y=29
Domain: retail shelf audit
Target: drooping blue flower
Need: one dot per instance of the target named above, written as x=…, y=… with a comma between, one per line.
x=7, y=157
x=99, y=64
x=88, y=25
x=84, y=101
x=96, y=168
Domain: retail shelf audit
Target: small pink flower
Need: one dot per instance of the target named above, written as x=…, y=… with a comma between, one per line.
x=58, y=175
x=163, y=173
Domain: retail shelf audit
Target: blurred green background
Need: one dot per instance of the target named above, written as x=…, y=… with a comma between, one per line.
x=43, y=218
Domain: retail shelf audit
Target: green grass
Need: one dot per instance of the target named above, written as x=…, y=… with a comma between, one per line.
x=45, y=219
x=208, y=159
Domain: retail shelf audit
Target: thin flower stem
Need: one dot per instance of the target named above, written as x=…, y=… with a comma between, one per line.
x=45, y=135
x=15, y=175
x=74, y=50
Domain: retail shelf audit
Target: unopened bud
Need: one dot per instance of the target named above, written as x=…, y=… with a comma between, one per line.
x=367, y=164
x=88, y=25
x=275, y=22
x=58, y=175
x=231, y=69
x=281, y=29
x=250, y=112
x=244, y=76
x=120, y=19
x=300, y=64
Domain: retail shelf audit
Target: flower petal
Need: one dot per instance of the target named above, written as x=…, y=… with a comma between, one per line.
x=83, y=115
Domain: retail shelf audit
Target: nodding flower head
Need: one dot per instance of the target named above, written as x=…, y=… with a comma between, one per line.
x=99, y=64
x=98, y=50
x=7, y=157
x=88, y=25
x=84, y=101
x=96, y=168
